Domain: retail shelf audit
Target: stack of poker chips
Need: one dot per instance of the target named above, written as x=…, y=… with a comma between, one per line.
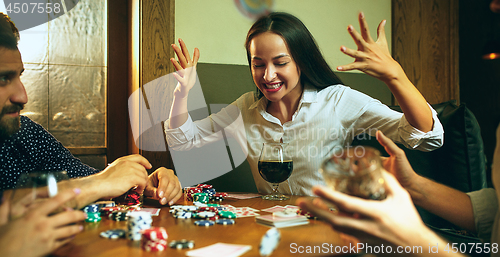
x=209, y=213
x=120, y=215
x=201, y=197
x=103, y=204
x=189, y=193
x=154, y=239
x=130, y=198
x=106, y=211
x=92, y=212
x=137, y=221
x=218, y=197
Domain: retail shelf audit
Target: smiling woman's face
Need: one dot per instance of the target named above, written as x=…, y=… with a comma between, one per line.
x=274, y=71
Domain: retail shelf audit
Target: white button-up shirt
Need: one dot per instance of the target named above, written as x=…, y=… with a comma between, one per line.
x=325, y=121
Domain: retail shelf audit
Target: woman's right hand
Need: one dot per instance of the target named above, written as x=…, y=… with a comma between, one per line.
x=185, y=67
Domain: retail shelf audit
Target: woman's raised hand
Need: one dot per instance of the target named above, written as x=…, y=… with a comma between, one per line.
x=372, y=57
x=185, y=67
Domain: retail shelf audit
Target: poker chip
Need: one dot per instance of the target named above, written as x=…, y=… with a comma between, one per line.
x=181, y=244
x=269, y=242
x=91, y=208
x=198, y=204
x=205, y=223
x=206, y=214
x=306, y=214
x=225, y=222
x=217, y=199
x=118, y=215
x=214, y=218
x=204, y=186
x=103, y=204
x=227, y=214
x=93, y=217
x=154, y=246
x=113, y=233
x=208, y=208
x=221, y=194
x=138, y=221
x=183, y=215
x=201, y=197
x=154, y=234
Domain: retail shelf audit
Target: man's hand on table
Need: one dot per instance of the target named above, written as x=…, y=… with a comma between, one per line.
x=164, y=186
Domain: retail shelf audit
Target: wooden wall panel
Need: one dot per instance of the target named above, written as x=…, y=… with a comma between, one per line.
x=157, y=34
x=425, y=43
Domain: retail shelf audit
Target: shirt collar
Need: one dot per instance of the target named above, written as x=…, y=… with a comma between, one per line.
x=309, y=95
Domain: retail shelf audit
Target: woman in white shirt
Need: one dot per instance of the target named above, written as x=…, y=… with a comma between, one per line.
x=300, y=101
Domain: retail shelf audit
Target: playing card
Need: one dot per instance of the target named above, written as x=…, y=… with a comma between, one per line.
x=275, y=208
x=220, y=250
x=153, y=211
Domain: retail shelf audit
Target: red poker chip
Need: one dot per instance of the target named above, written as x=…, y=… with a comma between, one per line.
x=155, y=233
x=154, y=246
x=212, y=209
x=221, y=194
x=204, y=186
x=214, y=218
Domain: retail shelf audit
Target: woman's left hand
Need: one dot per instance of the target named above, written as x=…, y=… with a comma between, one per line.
x=372, y=57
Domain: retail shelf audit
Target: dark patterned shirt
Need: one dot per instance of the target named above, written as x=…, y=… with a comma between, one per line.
x=33, y=148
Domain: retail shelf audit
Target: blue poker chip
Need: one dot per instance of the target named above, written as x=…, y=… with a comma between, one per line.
x=269, y=242
x=205, y=223
x=225, y=222
x=113, y=233
x=91, y=208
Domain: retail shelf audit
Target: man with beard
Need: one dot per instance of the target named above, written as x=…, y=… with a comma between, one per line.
x=26, y=147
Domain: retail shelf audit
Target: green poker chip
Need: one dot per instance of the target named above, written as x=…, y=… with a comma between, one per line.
x=227, y=214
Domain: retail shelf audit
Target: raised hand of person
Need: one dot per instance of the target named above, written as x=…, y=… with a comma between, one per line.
x=185, y=67
x=371, y=57
x=164, y=186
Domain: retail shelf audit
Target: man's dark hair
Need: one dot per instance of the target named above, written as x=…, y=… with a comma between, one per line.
x=9, y=34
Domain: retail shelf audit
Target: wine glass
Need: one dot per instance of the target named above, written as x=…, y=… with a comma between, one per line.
x=35, y=187
x=355, y=171
x=275, y=166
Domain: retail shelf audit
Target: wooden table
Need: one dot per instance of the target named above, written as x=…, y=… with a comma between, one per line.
x=245, y=231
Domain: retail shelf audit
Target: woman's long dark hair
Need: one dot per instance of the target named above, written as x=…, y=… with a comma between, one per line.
x=301, y=44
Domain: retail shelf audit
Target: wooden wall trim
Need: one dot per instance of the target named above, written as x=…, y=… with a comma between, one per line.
x=117, y=80
x=425, y=43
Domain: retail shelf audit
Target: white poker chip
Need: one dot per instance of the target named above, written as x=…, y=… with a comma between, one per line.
x=206, y=214
x=113, y=233
x=269, y=242
x=189, y=208
x=183, y=215
x=200, y=204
